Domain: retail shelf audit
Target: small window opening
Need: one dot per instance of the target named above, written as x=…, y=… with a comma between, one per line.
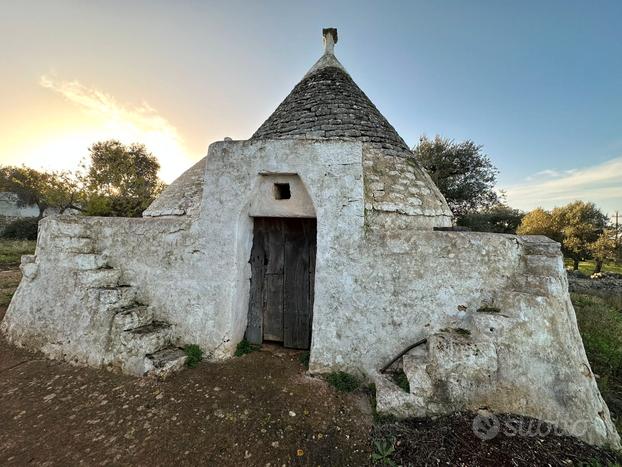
x=281, y=191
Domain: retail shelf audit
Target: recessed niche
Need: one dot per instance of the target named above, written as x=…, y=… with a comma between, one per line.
x=282, y=191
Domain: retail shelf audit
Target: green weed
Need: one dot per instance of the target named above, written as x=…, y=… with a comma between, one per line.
x=245, y=347
x=194, y=354
x=343, y=381
x=383, y=450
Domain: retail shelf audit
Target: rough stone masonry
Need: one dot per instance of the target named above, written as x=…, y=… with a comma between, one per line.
x=499, y=326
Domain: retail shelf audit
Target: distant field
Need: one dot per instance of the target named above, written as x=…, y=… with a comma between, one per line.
x=587, y=267
x=12, y=250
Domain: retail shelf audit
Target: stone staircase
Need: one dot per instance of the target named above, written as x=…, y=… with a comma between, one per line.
x=136, y=342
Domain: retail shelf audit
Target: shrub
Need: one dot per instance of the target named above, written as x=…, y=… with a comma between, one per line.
x=245, y=347
x=194, y=354
x=22, y=229
x=343, y=381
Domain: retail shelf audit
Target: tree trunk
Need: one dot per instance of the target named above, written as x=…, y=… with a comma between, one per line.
x=599, y=266
x=575, y=264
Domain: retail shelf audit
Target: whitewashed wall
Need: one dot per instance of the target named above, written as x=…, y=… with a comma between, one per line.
x=377, y=289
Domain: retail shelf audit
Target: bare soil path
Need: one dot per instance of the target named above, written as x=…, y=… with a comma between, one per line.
x=259, y=409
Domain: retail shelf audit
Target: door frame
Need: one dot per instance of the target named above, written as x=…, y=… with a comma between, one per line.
x=287, y=271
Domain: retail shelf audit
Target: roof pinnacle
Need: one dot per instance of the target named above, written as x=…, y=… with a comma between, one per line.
x=330, y=39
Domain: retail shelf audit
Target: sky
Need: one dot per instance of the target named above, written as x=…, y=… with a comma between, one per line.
x=537, y=83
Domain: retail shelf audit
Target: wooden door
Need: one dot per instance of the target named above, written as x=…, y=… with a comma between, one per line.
x=282, y=281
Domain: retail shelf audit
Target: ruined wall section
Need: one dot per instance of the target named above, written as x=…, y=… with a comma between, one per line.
x=183, y=196
x=399, y=194
x=502, y=294
x=86, y=268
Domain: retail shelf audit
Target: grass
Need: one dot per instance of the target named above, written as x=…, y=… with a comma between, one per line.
x=342, y=381
x=600, y=323
x=400, y=378
x=194, y=354
x=11, y=251
x=587, y=267
x=245, y=347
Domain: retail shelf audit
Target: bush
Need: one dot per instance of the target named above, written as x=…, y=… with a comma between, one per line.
x=22, y=229
x=194, y=354
x=245, y=347
x=343, y=381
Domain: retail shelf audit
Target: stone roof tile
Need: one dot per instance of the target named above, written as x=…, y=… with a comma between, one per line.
x=327, y=104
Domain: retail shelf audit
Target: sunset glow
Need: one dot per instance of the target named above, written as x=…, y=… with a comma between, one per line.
x=541, y=95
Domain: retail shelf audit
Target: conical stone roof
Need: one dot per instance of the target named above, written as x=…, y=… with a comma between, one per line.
x=328, y=104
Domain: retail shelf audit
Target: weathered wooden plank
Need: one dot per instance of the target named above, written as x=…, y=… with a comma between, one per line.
x=254, y=326
x=296, y=310
x=273, y=309
x=311, y=235
x=274, y=244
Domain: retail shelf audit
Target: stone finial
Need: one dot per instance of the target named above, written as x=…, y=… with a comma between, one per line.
x=330, y=39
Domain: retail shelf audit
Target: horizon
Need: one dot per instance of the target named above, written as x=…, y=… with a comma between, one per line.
x=536, y=85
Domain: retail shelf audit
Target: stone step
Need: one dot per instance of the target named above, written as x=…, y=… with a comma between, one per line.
x=99, y=278
x=88, y=261
x=539, y=245
x=392, y=400
x=415, y=368
x=542, y=265
x=133, y=317
x=78, y=228
x=165, y=362
x=76, y=245
x=535, y=285
x=147, y=339
x=116, y=297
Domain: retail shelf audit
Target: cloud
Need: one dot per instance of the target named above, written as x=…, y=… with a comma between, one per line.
x=129, y=124
x=601, y=184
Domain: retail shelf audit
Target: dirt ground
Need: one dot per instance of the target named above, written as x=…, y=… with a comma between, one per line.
x=259, y=409
x=521, y=441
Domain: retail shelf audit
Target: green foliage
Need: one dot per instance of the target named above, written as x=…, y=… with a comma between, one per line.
x=11, y=251
x=461, y=171
x=538, y=222
x=304, y=359
x=498, y=219
x=22, y=229
x=194, y=354
x=343, y=381
x=600, y=323
x=245, y=347
x=587, y=267
x=383, y=451
x=577, y=226
x=59, y=190
x=119, y=180
x=603, y=249
x=400, y=378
